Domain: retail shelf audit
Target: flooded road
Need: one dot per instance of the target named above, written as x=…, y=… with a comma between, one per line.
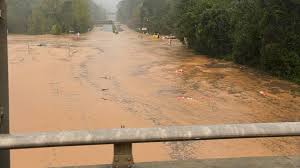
x=106, y=80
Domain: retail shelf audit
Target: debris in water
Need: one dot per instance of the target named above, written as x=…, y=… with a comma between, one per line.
x=189, y=98
x=179, y=71
x=42, y=44
x=106, y=77
x=180, y=98
x=75, y=51
x=263, y=93
x=78, y=36
x=185, y=98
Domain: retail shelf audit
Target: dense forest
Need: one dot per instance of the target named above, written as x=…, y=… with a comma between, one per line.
x=264, y=34
x=52, y=16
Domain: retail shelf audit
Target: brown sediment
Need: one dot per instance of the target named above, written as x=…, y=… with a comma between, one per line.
x=107, y=80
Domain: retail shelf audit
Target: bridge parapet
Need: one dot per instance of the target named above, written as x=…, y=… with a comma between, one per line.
x=104, y=22
x=124, y=138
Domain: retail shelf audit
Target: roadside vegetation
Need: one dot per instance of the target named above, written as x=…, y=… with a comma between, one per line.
x=264, y=34
x=52, y=16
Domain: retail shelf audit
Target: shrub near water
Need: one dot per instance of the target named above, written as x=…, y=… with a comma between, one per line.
x=56, y=30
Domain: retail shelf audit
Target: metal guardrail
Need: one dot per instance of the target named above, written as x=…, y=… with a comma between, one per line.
x=144, y=135
x=123, y=138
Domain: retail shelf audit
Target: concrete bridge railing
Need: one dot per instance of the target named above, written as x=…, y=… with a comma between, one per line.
x=123, y=138
x=104, y=22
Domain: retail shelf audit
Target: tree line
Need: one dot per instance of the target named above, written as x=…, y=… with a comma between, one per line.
x=264, y=34
x=52, y=16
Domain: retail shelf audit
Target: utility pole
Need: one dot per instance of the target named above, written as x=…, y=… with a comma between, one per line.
x=4, y=99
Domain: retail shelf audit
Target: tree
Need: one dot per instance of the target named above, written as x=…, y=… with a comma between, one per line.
x=53, y=16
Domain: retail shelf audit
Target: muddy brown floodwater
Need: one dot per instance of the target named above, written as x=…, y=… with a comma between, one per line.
x=106, y=80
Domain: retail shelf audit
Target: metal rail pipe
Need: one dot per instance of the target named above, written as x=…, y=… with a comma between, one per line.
x=144, y=135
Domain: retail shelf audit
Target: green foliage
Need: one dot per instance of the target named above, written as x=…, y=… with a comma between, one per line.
x=129, y=12
x=156, y=15
x=261, y=33
x=212, y=32
x=18, y=14
x=52, y=16
x=55, y=30
x=267, y=36
x=280, y=61
x=246, y=41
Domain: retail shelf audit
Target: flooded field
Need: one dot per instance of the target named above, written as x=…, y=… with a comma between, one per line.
x=106, y=80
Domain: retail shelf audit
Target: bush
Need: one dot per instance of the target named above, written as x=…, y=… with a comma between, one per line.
x=55, y=30
x=280, y=61
x=213, y=32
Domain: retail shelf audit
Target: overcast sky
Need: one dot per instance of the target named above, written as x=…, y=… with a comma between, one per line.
x=109, y=5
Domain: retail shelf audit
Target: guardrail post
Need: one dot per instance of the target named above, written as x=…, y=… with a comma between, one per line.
x=123, y=157
x=4, y=108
